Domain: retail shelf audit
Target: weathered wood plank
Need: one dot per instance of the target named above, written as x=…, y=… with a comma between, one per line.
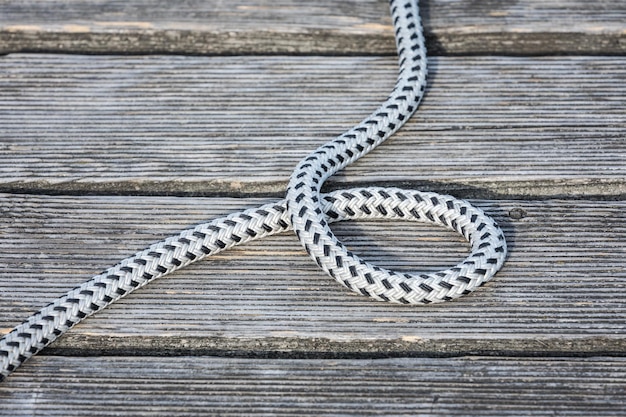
x=324, y=26
x=561, y=290
x=190, y=386
x=488, y=127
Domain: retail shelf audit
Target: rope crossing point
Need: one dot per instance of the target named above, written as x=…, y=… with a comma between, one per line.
x=308, y=213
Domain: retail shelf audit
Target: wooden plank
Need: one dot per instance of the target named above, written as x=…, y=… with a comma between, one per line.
x=190, y=386
x=488, y=127
x=561, y=290
x=325, y=26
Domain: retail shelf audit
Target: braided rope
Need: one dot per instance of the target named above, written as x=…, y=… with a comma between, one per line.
x=308, y=212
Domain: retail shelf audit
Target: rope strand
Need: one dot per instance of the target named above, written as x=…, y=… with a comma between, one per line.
x=308, y=213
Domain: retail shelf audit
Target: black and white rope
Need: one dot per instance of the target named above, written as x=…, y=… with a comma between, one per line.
x=309, y=213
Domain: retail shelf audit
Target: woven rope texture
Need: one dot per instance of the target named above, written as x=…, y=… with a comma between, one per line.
x=308, y=213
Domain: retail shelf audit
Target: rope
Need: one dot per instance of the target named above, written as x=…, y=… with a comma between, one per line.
x=308, y=213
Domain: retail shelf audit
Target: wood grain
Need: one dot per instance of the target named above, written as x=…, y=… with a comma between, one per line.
x=194, y=386
x=489, y=126
x=324, y=27
x=561, y=290
x=104, y=153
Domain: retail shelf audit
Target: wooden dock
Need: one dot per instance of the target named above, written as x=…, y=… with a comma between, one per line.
x=122, y=123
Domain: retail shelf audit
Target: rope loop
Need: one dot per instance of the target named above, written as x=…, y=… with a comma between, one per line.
x=488, y=245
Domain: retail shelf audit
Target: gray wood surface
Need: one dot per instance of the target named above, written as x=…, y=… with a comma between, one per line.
x=488, y=127
x=326, y=26
x=102, y=154
x=200, y=386
x=561, y=290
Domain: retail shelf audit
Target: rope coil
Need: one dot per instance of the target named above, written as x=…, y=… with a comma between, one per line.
x=308, y=213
